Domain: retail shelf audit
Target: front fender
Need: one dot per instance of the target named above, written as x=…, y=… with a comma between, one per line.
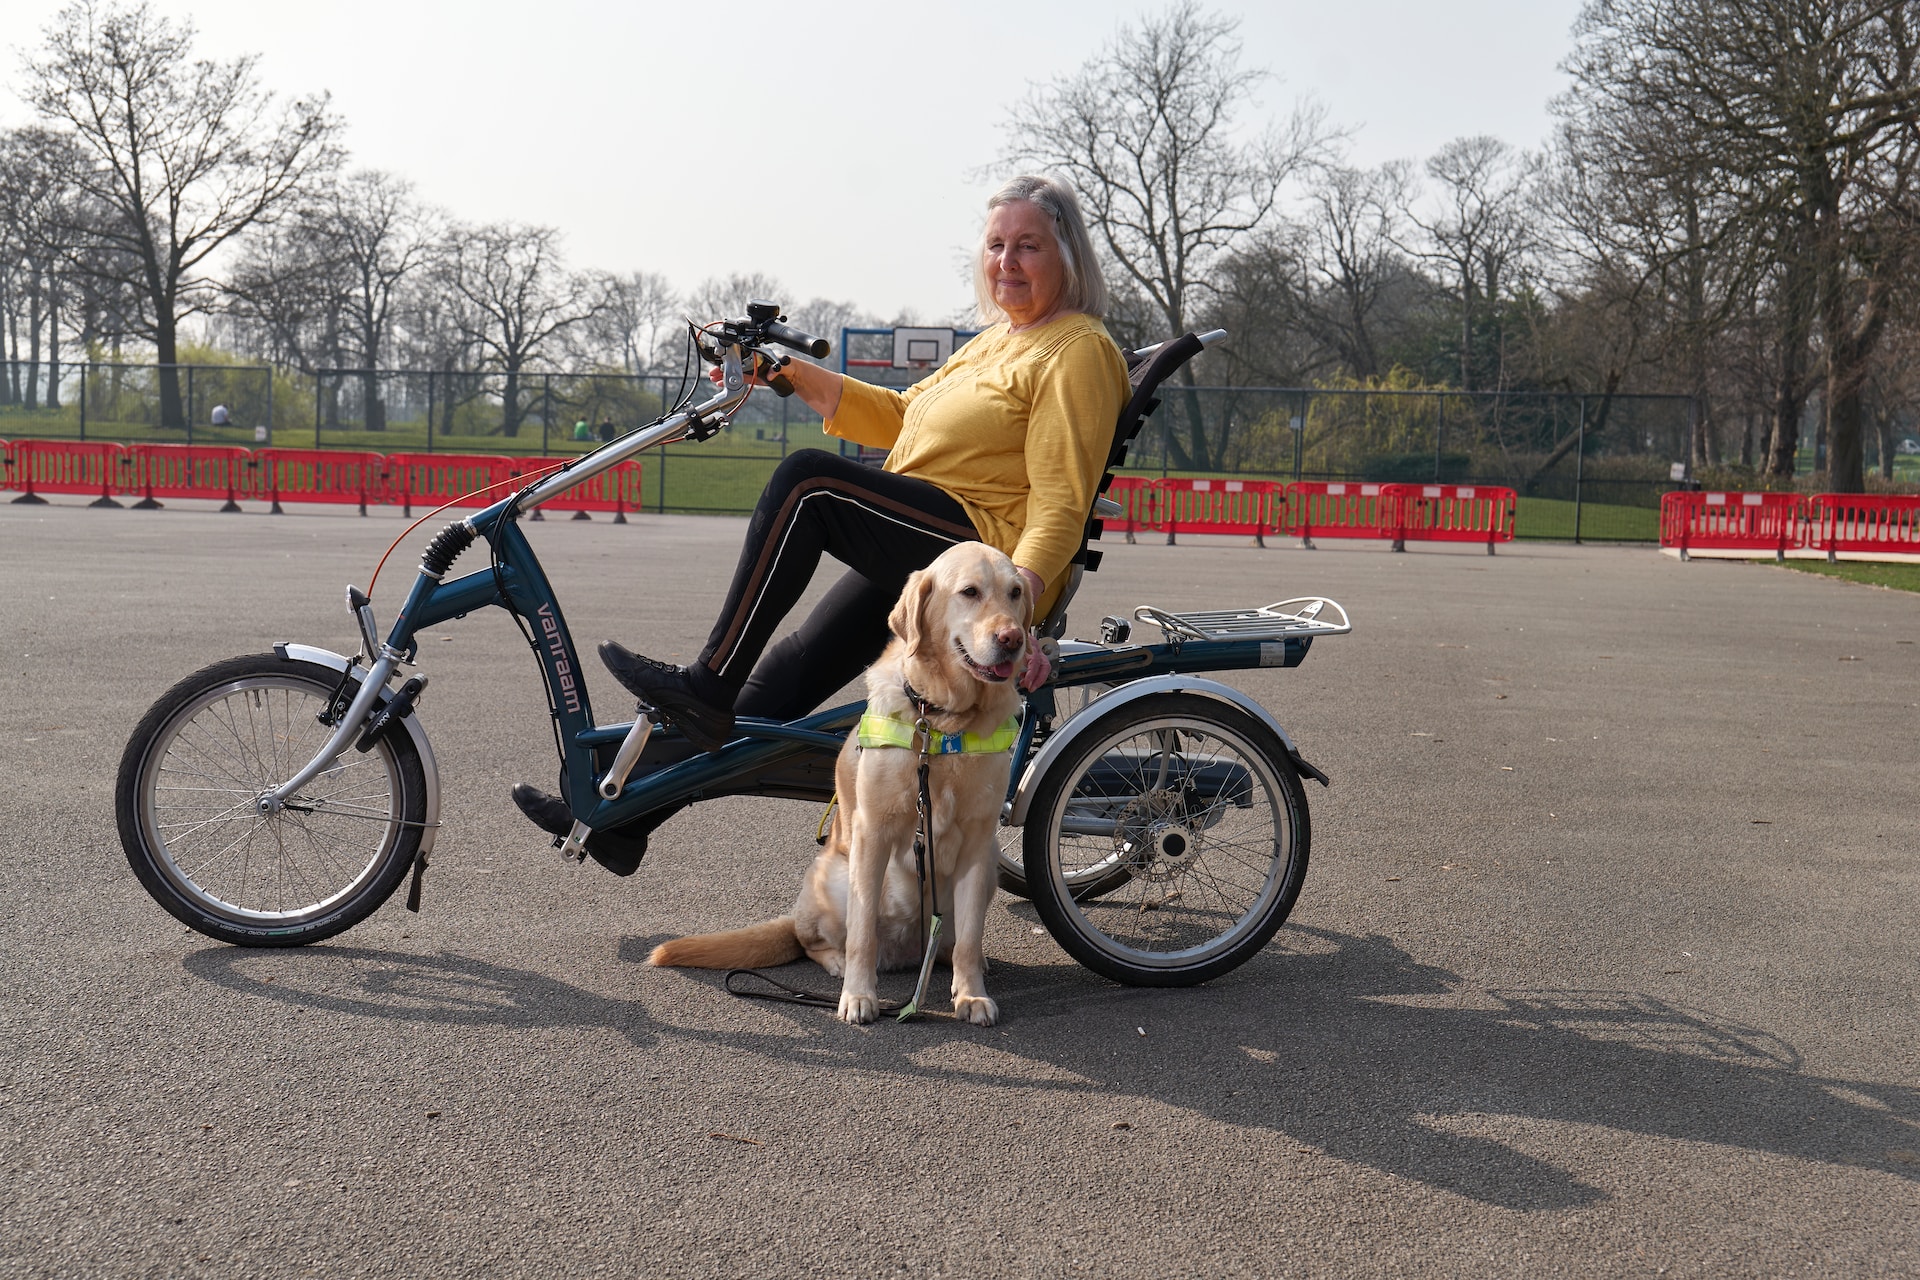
x=415, y=730
x=1132, y=691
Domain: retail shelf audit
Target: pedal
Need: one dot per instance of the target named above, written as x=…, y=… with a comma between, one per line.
x=574, y=847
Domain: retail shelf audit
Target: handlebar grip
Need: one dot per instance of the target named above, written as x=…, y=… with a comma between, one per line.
x=806, y=343
x=768, y=370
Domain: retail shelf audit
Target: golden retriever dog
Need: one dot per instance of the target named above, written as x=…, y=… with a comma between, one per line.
x=960, y=642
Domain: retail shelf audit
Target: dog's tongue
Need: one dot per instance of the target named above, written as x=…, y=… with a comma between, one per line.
x=1003, y=670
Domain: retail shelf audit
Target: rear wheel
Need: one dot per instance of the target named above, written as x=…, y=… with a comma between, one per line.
x=186, y=794
x=1189, y=815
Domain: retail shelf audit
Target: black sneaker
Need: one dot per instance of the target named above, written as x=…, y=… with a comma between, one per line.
x=618, y=849
x=702, y=707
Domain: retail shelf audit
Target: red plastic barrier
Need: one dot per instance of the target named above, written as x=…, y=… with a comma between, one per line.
x=1864, y=523
x=616, y=489
x=1139, y=503
x=1452, y=513
x=1340, y=509
x=464, y=479
x=318, y=475
x=189, y=471
x=1762, y=522
x=1217, y=506
x=69, y=466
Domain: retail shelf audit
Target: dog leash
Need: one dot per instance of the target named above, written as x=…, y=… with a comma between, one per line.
x=782, y=993
x=923, y=864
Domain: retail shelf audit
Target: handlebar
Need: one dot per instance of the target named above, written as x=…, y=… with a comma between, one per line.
x=738, y=346
x=804, y=343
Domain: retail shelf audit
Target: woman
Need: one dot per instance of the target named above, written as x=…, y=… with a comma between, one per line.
x=1004, y=444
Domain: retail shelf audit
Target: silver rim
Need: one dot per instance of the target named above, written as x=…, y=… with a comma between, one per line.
x=1197, y=817
x=226, y=747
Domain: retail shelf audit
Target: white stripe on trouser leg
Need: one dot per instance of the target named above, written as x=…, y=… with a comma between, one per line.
x=760, y=595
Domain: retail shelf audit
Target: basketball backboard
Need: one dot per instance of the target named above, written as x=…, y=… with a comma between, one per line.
x=921, y=348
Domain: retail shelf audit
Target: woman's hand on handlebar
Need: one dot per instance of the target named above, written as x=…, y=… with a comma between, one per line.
x=818, y=387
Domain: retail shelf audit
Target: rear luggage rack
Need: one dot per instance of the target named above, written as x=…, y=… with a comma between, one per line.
x=1298, y=617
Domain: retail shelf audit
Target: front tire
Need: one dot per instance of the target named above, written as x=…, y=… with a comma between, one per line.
x=185, y=805
x=1189, y=814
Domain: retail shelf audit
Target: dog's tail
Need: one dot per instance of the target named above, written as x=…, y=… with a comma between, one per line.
x=770, y=942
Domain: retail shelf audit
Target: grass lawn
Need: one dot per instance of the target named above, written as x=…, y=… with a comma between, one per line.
x=1552, y=518
x=1900, y=577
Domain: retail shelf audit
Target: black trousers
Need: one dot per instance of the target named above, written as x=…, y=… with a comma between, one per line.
x=880, y=525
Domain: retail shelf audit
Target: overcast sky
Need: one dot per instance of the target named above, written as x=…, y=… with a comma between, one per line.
x=834, y=146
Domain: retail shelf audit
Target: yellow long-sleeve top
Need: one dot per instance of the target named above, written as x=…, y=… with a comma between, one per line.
x=1015, y=426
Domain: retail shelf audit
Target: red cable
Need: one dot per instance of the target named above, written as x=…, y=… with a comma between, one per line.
x=454, y=503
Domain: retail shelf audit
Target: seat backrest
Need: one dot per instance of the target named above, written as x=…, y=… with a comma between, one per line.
x=1146, y=370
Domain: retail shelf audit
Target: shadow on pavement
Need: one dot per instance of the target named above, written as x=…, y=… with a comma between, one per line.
x=1317, y=1043
x=444, y=989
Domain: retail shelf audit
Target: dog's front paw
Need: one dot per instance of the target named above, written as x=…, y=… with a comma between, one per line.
x=979, y=1010
x=858, y=1009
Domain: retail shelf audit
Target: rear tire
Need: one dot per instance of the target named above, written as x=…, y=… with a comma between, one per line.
x=184, y=803
x=1189, y=815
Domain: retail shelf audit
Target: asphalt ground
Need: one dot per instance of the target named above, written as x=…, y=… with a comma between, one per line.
x=1605, y=964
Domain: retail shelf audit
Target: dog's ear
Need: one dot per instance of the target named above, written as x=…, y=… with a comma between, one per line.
x=908, y=618
x=1029, y=603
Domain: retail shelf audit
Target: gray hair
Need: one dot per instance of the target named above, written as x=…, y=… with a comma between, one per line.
x=1086, y=289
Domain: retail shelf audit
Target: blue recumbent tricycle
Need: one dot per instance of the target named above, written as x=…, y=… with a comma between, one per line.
x=1156, y=818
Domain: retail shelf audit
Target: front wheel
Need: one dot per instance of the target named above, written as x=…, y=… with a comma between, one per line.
x=185, y=801
x=1189, y=814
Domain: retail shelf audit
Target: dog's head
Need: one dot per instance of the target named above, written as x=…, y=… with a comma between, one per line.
x=963, y=621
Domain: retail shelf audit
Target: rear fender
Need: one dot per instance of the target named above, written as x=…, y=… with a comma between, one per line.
x=1132, y=691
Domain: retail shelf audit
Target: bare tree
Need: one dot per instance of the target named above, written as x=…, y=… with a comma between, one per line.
x=288, y=293
x=518, y=296
x=718, y=296
x=186, y=154
x=639, y=307
x=1480, y=230
x=825, y=317
x=1146, y=133
x=1808, y=111
x=37, y=201
x=1351, y=260
x=379, y=235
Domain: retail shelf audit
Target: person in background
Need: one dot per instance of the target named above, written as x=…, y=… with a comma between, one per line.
x=607, y=431
x=220, y=415
x=581, y=431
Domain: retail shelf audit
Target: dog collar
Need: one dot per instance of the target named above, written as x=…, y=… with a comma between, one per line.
x=891, y=731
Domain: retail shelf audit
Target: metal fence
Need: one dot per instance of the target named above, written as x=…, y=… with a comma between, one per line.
x=91, y=400
x=1585, y=466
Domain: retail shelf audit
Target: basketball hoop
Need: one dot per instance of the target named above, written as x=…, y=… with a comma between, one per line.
x=921, y=349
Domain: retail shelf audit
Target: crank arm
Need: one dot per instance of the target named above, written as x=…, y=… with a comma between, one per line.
x=629, y=754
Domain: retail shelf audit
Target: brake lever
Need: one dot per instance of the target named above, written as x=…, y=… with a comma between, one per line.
x=769, y=369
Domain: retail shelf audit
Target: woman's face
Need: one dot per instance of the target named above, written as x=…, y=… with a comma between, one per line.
x=1025, y=273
